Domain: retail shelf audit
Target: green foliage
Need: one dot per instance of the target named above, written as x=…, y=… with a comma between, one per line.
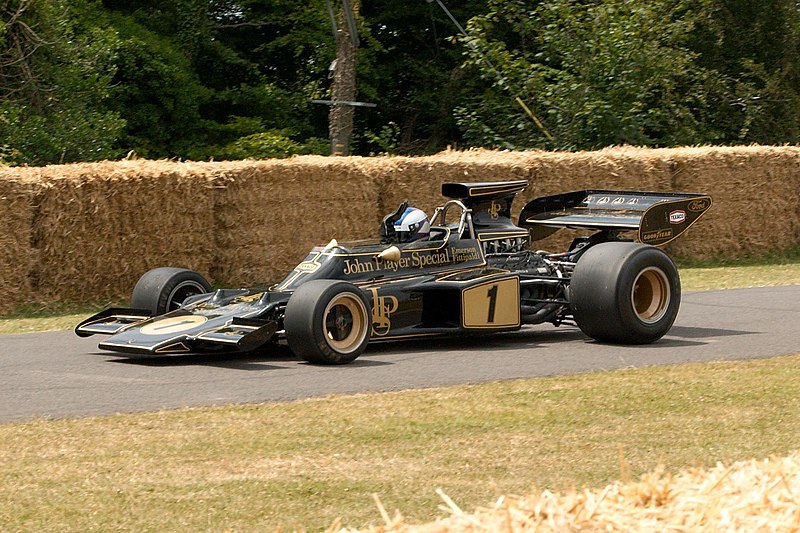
x=252, y=140
x=269, y=144
x=260, y=145
x=56, y=71
x=596, y=73
x=93, y=79
x=73, y=133
x=203, y=77
x=411, y=67
x=660, y=73
x=155, y=91
x=387, y=140
x=755, y=47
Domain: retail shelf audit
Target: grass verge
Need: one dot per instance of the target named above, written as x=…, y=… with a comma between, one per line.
x=771, y=270
x=50, y=317
x=303, y=464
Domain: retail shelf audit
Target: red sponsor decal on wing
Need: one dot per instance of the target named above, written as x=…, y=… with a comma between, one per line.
x=677, y=217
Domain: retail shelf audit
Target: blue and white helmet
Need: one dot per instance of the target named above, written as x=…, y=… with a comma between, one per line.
x=412, y=225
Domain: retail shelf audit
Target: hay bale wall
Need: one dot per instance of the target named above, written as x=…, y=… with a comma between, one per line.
x=98, y=227
x=87, y=231
x=16, y=258
x=756, y=193
x=269, y=214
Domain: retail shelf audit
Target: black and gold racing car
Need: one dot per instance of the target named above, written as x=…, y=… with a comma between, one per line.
x=474, y=273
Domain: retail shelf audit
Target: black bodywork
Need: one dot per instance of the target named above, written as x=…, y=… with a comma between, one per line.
x=475, y=273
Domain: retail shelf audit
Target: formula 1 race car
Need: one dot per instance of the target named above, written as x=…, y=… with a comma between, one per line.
x=473, y=274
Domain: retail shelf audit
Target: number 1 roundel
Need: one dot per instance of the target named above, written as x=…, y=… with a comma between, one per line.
x=494, y=304
x=171, y=325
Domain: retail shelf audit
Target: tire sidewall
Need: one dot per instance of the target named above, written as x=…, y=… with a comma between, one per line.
x=601, y=289
x=305, y=316
x=637, y=263
x=157, y=288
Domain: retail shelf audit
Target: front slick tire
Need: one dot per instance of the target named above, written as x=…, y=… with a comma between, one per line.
x=624, y=292
x=164, y=289
x=327, y=322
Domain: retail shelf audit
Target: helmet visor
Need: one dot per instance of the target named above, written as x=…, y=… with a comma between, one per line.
x=411, y=232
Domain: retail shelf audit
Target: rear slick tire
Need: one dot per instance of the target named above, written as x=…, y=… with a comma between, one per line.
x=624, y=292
x=327, y=322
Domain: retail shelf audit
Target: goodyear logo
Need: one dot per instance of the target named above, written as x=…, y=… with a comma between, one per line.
x=657, y=235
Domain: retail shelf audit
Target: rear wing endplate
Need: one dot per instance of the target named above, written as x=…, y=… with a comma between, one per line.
x=657, y=217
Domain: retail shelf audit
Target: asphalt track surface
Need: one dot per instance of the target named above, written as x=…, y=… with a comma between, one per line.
x=58, y=375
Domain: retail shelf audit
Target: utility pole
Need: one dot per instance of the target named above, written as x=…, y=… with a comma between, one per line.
x=343, y=88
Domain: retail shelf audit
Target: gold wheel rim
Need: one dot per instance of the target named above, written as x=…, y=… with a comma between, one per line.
x=345, y=323
x=651, y=295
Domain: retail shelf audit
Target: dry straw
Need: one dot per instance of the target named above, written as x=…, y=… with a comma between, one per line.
x=743, y=497
x=269, y=214
x=99, y=226
x=16, y=254
x=88, y=231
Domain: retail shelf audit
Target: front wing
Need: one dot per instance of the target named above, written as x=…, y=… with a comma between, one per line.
x=134, y=332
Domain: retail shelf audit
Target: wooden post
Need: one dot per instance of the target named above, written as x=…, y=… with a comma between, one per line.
x=343, y=88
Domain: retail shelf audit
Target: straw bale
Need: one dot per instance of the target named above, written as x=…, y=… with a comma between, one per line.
x=101, y=225
x=87, y=231
x=420, y=179
x=16, y=257
x=745, y=496
x=756, y=192
x=269, y=214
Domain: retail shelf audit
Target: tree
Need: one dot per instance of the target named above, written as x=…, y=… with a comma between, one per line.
x=660, y=73
x=55, y=70
x=343, y=88
x=411, y=66
x=755, y=46
x=598, y=72
x=199, y=78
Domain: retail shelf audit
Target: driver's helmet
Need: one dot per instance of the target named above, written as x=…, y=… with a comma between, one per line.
x=412, y=225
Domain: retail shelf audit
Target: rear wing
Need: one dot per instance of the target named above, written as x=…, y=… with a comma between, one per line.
x=657, y=217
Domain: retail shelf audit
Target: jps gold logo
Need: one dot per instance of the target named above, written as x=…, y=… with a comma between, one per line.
x=494, y=210
x=249, y=298
x=382, y=309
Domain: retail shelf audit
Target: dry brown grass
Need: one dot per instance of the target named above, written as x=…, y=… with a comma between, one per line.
x=303, y=464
